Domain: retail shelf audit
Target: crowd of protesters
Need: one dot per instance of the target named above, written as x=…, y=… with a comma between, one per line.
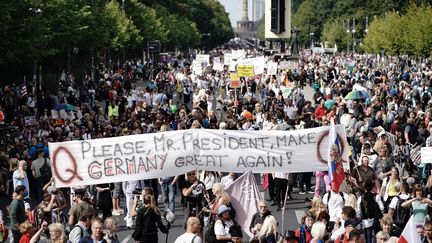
x=385, y=185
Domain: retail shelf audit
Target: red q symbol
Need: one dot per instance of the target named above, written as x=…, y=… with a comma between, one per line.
x=325, y=134
x=72, y=169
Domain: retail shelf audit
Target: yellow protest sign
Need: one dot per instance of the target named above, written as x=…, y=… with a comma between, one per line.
x=234, y=81
x=245, y=71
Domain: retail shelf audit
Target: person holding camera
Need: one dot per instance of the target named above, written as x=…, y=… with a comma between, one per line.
x=148, y=221
x=193, y=192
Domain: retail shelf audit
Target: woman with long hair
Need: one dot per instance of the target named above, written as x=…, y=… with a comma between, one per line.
x=223, y=224
x=148, y=221
x=221, y=198
x=317, y=206
x=419, y=204
x=390, y=187
x=318, y=232
x=26, y=229
x=56, y=234
x=269, y=230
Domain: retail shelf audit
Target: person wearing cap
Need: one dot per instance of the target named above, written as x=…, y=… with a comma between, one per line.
x=193, y=231
x=223, y=224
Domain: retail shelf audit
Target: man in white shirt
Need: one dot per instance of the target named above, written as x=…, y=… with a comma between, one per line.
x=193, y=230
x=291, y=110
x=334, y=202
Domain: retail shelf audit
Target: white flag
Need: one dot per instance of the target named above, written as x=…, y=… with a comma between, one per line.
x=245, y=196
x=410, y=234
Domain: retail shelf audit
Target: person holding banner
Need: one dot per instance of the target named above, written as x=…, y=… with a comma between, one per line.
x=194, y=194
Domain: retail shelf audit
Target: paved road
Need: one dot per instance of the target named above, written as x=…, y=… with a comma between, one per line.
x=297, y=204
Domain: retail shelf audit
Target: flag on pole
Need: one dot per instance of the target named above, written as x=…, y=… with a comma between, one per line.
x=409, y=234
x=245, y=196
x=335, y=167
x=23, y=90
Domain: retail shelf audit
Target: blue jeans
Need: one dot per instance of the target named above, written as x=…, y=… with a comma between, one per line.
x=369, y=235
x=169, y=192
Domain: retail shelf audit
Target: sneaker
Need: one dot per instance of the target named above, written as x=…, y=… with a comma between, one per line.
x=311, y=192
x=302, y=192
x=115, y=213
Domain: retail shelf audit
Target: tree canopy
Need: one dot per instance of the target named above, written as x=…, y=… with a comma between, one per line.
x=45, y=31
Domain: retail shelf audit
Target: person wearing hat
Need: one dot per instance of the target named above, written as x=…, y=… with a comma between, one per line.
x=223, y=224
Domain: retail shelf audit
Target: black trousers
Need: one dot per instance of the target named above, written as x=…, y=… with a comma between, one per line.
x=280, y=187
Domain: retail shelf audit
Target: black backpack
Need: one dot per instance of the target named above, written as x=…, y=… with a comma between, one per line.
x=401, y=215
x=45, y=172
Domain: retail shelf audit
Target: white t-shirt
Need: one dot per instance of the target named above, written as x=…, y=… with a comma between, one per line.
x=223, y=228
x=394, y=200
x=188, y=238
x=334, y=203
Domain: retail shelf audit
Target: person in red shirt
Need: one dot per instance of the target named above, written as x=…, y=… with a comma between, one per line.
x=320, y=111
x=27, y=232
x=304, y=231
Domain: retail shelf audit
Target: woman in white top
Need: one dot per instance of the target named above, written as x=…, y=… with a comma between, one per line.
x=223, y=224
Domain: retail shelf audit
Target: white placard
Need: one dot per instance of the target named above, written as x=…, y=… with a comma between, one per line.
x=272, y=68
x=154, y=155
x=426, y=155
x=200, y=58
x=218, y=66
x=228, y=59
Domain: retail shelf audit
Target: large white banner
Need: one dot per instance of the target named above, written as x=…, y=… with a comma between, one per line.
x=164, y=154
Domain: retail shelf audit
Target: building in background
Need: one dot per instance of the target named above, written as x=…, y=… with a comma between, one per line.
x=244, y=28
x=257, y=10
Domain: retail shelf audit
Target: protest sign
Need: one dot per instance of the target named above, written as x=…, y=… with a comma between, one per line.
x=272, y=68
x=154, y=155
x=228, y=59
x=218, y=66
x=245, y=71
x=234, y=81
x=426, y=155
x=202, y=58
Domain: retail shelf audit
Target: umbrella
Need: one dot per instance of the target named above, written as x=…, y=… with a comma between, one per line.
x=329, y=103
x=357, y=95
x=67, y=107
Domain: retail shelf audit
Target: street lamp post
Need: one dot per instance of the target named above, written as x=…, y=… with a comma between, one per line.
x=311, y=39
x=353, y=36
x=348, y=32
